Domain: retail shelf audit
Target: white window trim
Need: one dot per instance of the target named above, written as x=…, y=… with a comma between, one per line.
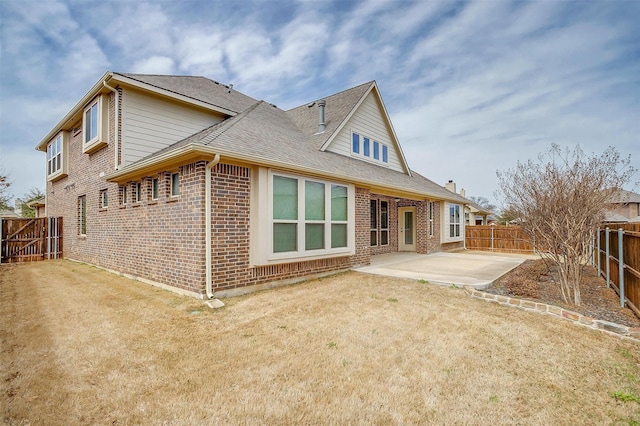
x=155, y=189
x=62, y=170
x=446, y=237
x=360, y=155
x=171, y=185
x=100, y=140
x=262, y=235
x=104, y=193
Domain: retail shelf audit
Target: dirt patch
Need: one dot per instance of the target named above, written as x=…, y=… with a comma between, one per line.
x=82, y=346
x=537, y=280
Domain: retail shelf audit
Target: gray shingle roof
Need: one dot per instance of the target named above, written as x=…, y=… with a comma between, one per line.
x=623, y=196
x=268, y=133
x=337, y=109
x=263, y=133
x=199, y=88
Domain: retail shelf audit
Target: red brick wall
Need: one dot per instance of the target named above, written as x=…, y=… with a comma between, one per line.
x=159, y=240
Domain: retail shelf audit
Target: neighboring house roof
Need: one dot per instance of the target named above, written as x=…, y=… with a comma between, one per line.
x=287, y=146
x=614, y=217
x=476, y=208
x=9, y=213
x=38, y=202
x=623, y=196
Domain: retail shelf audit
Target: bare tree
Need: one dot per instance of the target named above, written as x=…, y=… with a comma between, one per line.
x=5, y=196
x=483, y=202
x=561, y=198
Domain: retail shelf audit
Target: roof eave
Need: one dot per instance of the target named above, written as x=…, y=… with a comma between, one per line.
x=66, y=120
x=194, y=152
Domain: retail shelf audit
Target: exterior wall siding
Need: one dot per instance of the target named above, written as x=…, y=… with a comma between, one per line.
x=150, y=123
x=159, y=240
x=368, y=121
x=163, y=240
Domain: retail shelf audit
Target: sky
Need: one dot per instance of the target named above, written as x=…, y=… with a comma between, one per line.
x=471, y=87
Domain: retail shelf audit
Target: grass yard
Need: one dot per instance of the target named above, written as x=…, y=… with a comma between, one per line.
x=82, y=346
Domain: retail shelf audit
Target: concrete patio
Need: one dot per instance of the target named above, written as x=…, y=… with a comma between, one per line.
x=463, y=268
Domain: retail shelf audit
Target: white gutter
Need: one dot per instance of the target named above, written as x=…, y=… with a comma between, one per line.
x=207, y=223
x=116, y=138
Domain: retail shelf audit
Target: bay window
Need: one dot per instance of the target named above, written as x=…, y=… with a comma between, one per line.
x=56, y=157
x=308, y=217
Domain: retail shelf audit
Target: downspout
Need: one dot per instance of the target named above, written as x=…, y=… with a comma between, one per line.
x=207, y=222
x=116, y=138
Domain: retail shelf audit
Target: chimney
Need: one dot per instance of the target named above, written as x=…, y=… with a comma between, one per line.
x=321, y=124
x=463, y=193
x=451, y=186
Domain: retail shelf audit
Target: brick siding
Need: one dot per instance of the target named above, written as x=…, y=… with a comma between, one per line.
x=163, y=239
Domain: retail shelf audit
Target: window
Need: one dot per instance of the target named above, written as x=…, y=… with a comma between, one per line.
x=308, y=216
x=154, y=189
x=431, y=207
x=454, y=220
x=379, y=222
x=56, y=154
x=175, y=184
x=363, y=146
x=384, y=223
x=374, y=221
x=104, y=199
x=82, y=215
x=94, y=132
x=91, y=123
x=123, y=191
x=138, y=192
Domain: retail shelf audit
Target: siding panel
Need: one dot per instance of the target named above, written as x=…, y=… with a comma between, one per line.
x=150, y=124
x=368, y=121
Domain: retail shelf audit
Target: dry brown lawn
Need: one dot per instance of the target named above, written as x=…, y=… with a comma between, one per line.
x=83, y=346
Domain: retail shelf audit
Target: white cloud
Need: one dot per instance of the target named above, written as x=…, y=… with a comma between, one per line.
x=154, y=65
x=200, y=52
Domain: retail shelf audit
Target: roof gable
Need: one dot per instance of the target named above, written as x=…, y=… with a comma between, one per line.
x=358, y=109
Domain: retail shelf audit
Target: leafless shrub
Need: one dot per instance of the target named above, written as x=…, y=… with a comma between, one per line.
x=561, y=199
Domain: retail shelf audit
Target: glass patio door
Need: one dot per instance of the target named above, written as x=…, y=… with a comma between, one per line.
x=407, y=229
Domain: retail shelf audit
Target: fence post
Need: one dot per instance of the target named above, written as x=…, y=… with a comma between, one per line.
x=621, y=266
x=598, y=253
x=606, y=258
x=492, y=238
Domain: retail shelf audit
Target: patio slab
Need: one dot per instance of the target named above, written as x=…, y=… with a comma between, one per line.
x=465, y=268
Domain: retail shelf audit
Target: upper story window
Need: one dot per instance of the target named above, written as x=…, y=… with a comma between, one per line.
x=94, y=124
x=56, y=157
x=363, y=146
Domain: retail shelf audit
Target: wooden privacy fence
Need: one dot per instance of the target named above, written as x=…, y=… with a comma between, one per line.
x=504, y=239
x=617, y=257
x=28, y=240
